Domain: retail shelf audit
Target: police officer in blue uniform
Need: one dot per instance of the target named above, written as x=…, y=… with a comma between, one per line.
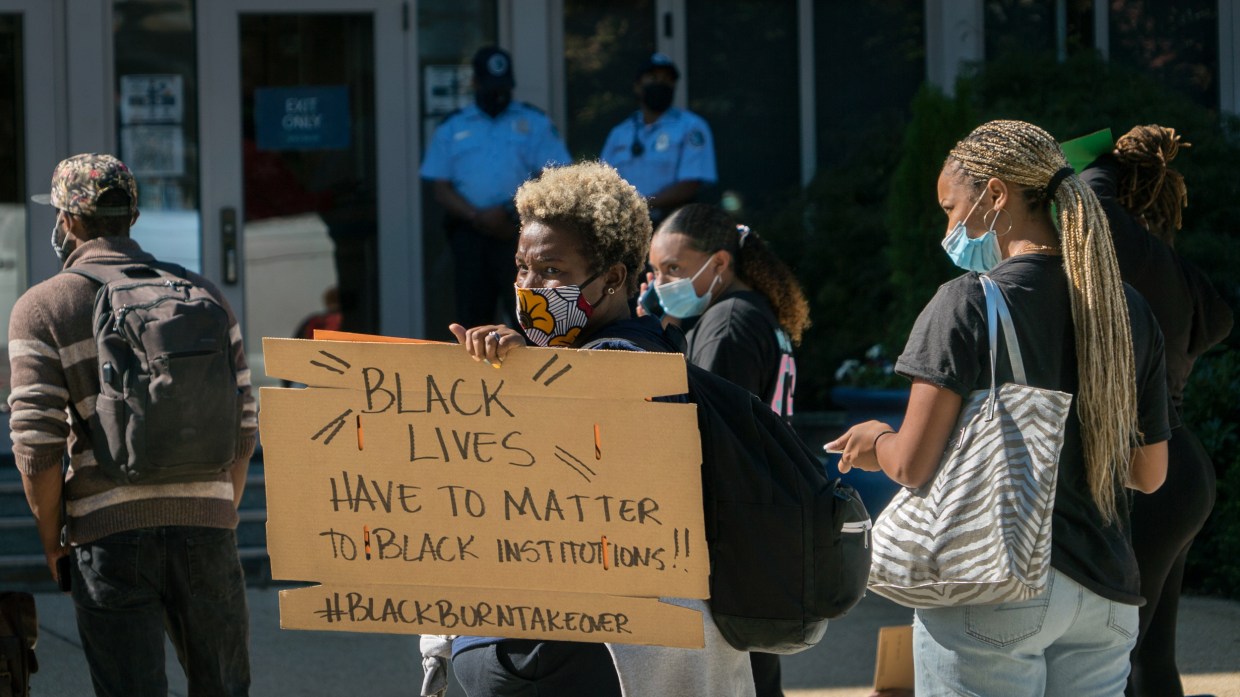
x=667, y=153
x=477, y=158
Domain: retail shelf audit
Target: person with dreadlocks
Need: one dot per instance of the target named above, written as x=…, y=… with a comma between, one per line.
x=1143, y=198
x=1081, y=331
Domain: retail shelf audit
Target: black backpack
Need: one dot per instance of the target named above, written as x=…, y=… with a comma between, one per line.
x=169, y=408
x=789, y=547
x=19, y=632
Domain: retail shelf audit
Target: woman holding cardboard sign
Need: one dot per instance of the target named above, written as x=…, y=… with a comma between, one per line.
x=1081, y=334
x=585, y=234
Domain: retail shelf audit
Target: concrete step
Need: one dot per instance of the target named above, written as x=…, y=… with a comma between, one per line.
x=22, y=564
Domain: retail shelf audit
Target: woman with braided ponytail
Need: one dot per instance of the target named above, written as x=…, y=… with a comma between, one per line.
x=1080, y=331
x=1142, y=197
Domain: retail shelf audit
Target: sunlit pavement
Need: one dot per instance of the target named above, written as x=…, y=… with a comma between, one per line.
x=297, y=663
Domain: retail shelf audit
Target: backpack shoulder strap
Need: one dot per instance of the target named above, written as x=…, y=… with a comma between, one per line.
x=615, y=341
x=168, y=267
x=105, y=273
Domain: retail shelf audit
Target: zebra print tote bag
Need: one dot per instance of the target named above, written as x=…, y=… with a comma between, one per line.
x=980, y=532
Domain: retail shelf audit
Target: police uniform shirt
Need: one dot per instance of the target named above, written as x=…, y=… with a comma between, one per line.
x=486, y=158
x=677, y=147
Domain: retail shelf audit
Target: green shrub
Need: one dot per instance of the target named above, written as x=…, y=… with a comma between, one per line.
x=833, y=235
x=914, y=219
x=1210, y=410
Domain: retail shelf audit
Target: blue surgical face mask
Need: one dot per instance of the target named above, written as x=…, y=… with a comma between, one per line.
x=979, y=254
x=680, y=300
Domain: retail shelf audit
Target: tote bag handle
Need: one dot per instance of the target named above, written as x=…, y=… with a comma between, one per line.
x=997, y=314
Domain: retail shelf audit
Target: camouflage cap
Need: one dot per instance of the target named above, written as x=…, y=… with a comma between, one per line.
x=79, y=182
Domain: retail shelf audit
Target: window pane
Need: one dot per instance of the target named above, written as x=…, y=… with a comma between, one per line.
x=604, y=44
x=308, y=150
x=13, y=198
x=1024, y=27
x=742, y=75
x=1175, y=42
x=449, y=32
x=869, y=60
x=157, y=122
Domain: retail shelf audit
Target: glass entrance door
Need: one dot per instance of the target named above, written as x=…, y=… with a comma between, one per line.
x=305, y=164
x=27, y=155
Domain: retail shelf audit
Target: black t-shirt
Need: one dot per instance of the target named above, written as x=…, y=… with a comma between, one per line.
x=739, y=339
x=1192, y=315
x=949, y=346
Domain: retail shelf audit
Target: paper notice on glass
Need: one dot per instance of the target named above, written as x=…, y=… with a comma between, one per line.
x=154, y=151
x=893, y=667
x=446, y=88
x=152, y=99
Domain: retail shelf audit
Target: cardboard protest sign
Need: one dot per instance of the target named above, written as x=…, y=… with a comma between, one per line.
x=893, y=665
x=550, y=482
x=492, y=612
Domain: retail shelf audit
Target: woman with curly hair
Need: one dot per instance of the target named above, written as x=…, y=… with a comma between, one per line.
x=585, y=233
x=1080, y=331
x=740, y=306
x=1143, y=197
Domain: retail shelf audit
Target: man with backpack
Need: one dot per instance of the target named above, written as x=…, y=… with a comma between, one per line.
x=136, y=369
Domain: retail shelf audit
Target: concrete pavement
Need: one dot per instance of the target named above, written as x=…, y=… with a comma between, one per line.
x=297, y=663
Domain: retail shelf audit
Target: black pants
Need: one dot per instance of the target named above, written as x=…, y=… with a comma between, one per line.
x=132, y=588
x=767, y=678
x=1164, y=524
x=530, y=668
x=484, y=276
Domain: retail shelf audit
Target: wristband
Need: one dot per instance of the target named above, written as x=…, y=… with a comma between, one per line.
x=874, y=447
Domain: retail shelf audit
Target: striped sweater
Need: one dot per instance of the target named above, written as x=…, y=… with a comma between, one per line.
x=54, y=361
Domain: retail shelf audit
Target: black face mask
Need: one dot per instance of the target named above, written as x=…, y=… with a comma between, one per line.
x=493, y=101
x=657, y=96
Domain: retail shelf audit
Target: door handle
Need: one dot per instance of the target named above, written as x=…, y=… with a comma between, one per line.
x=228, y=244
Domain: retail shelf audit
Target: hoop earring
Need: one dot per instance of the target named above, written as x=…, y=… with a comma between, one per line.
x=991, y=224
x=611, y=291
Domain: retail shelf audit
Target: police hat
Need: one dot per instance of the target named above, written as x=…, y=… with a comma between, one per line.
x=493, y=67
x=656, y=61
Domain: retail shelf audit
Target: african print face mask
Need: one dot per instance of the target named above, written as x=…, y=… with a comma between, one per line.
x=553, y=316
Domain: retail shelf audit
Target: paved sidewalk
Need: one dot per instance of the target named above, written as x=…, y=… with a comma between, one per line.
x=309, y=664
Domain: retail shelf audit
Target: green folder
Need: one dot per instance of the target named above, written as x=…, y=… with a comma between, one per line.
x=1081, y=151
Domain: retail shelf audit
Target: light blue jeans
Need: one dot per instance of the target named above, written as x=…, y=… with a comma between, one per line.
x=1068, y=641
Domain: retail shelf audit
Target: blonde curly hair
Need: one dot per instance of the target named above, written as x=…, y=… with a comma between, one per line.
x=595, y=202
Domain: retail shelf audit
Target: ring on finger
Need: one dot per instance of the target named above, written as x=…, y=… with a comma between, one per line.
x=494, y=335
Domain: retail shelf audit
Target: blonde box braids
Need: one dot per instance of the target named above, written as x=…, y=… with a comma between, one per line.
x=1023, y=154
